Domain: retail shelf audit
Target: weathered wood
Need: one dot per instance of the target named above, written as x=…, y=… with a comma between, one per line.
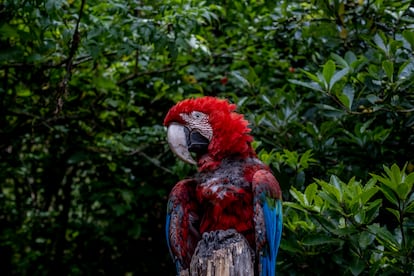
x=222, y=253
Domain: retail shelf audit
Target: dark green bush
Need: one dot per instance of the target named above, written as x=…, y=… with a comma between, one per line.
x=84, y=167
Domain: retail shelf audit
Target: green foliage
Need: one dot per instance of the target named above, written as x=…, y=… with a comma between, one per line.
x=85, y=170
x=348, y=221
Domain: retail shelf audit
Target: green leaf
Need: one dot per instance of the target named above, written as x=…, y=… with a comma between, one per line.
x=295, y=206
x=331, y=199
x=298, y=196
x=346, y=96
x=359, y=217
x=7, y=31
x=405, y=71
x=380, y=41
x=311, y=85
x=310, y=193
x=330, y=192
x=291, y=246
x=388, y=67
x=396, y=184
x=313, y=77
x=328, y=72
x=23, y=92
x=385, y=237
x=112, y=166
x=331, y=112
x=396, y=213
x=357, y=266
x=409, y=208
x=319, y=239
x=365, y=239
x=340, y=60
x=127, y=196
x=240, y=78
x=390, y=195
x=409, y=37
x=305, y=159
x=372, y=210
x=338, y=76
x=395, y=175
x=338, y=187
x=403, y=190
x=370, y=189
x=350, y=57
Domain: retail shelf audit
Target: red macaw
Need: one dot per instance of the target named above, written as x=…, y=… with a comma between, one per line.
x=232, y=188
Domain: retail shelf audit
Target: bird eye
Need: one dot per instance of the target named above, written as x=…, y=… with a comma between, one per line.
x=197, y=115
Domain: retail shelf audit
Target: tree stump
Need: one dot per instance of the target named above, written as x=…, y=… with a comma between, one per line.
x=222, y=253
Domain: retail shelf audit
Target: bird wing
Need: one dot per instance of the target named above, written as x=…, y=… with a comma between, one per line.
x=267, y=219
x=182, y=223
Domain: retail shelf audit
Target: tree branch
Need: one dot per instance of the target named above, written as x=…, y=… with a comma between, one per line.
x=63, y=85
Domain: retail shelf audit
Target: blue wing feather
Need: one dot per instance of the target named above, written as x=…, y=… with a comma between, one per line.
x=268, y=219
x=167, y=230
x=167, y=236
x=273, y=224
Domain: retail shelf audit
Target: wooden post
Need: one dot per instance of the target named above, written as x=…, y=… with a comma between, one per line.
x=222, y=253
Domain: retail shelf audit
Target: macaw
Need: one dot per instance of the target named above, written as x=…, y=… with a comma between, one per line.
x=232, y=188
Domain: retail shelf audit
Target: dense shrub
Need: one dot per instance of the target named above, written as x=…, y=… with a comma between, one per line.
x=84, y=167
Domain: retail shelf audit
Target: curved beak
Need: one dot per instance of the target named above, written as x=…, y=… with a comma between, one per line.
x=177, y=140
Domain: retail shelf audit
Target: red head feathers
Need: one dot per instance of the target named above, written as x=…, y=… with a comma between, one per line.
x=227, y=131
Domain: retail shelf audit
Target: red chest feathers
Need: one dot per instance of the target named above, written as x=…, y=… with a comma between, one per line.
x=226, y=199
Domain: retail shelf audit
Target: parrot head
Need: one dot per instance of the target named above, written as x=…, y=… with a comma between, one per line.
x=209, y=128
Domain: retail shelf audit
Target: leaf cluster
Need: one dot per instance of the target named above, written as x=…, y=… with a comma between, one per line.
x=346, y=220
x=84, y=166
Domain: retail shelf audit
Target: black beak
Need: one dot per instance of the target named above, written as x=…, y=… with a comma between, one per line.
x=196, y=142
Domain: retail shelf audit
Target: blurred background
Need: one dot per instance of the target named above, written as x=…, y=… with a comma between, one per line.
x=85, y=169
